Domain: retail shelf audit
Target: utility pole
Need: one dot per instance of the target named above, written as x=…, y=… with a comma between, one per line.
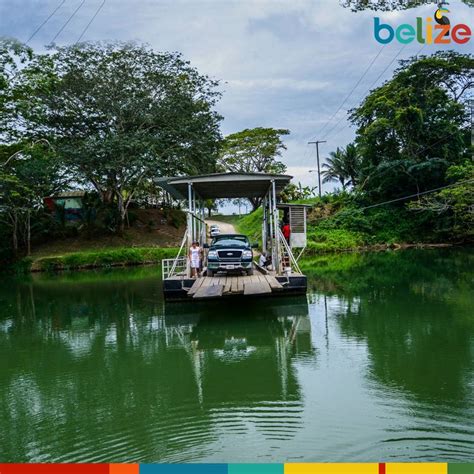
x=317, y=142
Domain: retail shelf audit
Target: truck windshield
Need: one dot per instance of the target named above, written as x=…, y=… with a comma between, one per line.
x=230, y=243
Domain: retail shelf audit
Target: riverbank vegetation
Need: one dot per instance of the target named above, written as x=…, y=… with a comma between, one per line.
x=408, y=178
x=73, y=118
x=119, y=257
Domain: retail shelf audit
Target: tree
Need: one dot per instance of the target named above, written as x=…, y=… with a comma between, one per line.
x=334, y=168
x=28, y=173
x=343, y=166
x=253, y=151
x=119, y=114
x=211, y=206
x=297, y=192
x=13, y=56
x=352, y=164
x=452, y=209
x=413, y=127
x=388, y=5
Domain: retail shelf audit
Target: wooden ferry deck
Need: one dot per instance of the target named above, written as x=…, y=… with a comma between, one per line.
x=230, y=286
x=206, y=287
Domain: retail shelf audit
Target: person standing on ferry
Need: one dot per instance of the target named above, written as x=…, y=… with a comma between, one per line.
x=195, y=259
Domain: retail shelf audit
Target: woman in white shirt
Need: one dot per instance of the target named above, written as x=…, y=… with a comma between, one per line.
x=195, y=259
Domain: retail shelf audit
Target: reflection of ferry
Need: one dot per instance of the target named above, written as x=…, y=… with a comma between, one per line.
x=248, y=357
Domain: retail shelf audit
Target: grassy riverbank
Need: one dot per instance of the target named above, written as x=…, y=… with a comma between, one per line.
x=319, y=240
x=114, y=257
x=338, y=226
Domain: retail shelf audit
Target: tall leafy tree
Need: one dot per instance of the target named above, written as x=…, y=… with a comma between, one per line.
x=412, y=128
x=28, y=173
x=119, y=114
x=13, y=57
x=253, y=151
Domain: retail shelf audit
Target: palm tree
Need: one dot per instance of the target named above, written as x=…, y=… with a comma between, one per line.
x=343, y=166
x=335, y=168
x=352, y=163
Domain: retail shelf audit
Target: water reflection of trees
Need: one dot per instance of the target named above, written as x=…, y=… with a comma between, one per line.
x=98, y=372
x=412, y=309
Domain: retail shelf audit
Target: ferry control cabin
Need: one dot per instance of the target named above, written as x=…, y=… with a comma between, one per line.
x=281, y=276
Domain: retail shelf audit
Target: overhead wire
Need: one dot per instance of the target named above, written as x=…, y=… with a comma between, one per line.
x=352, y=90
x=369, y=89
x=91, y=21
x=422, y=193
x=403, y=198
x=45, y=21
x=68, y=20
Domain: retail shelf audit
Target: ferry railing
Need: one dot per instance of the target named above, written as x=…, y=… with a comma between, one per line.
x=285, y=248
x=174, y=266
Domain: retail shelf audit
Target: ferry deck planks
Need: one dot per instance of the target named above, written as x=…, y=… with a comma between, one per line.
x=213, y=287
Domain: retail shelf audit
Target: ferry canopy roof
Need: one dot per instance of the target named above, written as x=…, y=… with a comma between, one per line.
x=224, y=185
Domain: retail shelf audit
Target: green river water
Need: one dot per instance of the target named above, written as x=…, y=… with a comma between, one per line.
x=376, y=364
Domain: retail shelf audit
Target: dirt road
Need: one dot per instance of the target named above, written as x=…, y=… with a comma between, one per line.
x=224, y=227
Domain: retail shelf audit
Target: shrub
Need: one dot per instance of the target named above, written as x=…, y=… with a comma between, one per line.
x=327, y=240
x=175, y=217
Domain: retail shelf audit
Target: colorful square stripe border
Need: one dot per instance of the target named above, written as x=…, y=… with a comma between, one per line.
x=291, y=468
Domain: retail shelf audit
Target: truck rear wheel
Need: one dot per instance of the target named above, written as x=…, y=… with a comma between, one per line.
x=210, y=273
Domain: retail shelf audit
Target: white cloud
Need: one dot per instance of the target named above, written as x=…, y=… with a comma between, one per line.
x=280, y=83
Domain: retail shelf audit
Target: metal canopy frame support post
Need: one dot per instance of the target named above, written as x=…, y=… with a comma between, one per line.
x=202, y=233
x=195, y=222
x=190, y=215
x=275, y=229
x=264, y=225
x=269, y=225
x=189, y=225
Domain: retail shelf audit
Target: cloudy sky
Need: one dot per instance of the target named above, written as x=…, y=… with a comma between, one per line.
x=282, y=63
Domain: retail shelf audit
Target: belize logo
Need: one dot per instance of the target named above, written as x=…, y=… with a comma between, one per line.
x=442, y=33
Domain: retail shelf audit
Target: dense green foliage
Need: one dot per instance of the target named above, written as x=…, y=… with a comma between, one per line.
x=110, y=117
x=32, y=171
x=251, y=225
x=452, y=208
x=412, y=128
x=340, y=222
x=297, y=192
x=118, y=114
x=342, y=216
